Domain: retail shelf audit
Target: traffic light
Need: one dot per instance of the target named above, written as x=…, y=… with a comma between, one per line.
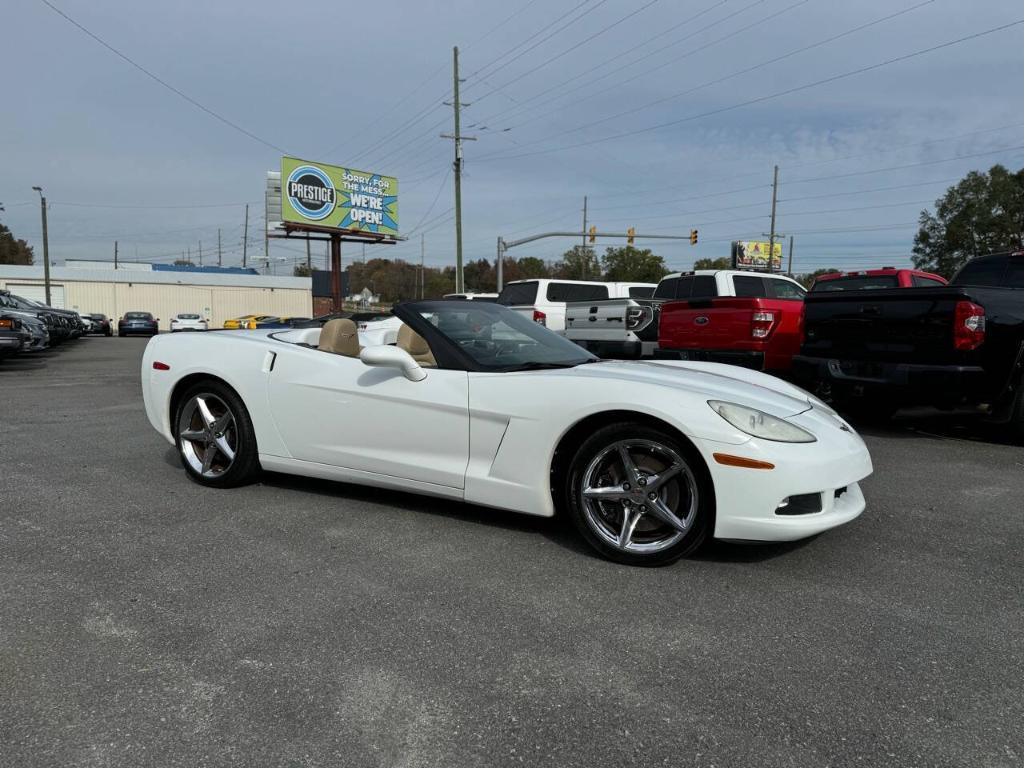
x=693, y=237
x=630, y=234
x=593, y=235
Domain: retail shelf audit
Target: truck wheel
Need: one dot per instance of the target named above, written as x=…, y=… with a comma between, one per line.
x=1017, y=414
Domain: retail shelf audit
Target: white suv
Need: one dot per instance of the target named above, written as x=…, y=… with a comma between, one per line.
x=545, y=300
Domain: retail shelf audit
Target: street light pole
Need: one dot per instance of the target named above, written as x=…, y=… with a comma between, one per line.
x=46, y=245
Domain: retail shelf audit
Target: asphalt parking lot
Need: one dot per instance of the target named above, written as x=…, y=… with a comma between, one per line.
x=147, y=621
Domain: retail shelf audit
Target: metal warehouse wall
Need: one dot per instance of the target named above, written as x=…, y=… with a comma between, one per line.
x=218, y=303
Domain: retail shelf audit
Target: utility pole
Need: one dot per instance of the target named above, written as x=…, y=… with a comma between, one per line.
x=115, y=254
x=458, y=138
x=771, y=235
x=46, y=246
x=200, y=253
x=584, y=225
x=309, y=258
x=584, y=221
x=422, y=251
x=245, y=236
x=189, y=258
x=218, y=248
x=790, y=256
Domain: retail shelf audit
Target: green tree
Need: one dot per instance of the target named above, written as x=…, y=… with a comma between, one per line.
x=633, y=265
x=14, y=251
x=807, y=278
x=578, y=263
x=723, y=262
x=531, y=266
x=184, y=263
x=302, y=270
x=983, y=213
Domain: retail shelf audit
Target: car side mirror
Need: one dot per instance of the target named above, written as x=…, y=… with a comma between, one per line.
x=387, y=356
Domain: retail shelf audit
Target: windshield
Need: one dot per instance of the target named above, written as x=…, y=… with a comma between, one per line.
x=499, y=339
x=188, y=317
x=137, y=316
x=856, y=283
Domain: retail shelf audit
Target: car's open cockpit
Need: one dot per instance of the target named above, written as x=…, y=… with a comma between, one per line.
x=341, y=337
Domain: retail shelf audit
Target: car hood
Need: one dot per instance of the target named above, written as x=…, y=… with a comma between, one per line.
x=712, y=381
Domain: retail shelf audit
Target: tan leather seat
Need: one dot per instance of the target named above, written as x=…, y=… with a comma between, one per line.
x=416, y=346
x=340, y=337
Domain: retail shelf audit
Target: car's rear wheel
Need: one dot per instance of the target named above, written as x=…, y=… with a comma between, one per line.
x=639, y=496
x=215, y=437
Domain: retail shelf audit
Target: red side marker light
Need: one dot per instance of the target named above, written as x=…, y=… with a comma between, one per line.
x=158, y=366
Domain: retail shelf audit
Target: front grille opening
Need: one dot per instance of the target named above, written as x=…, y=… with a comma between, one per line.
x=839, y=492
x=801, y=504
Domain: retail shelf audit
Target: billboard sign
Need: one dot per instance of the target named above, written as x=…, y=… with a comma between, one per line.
x=753, y=254
x=338, y=198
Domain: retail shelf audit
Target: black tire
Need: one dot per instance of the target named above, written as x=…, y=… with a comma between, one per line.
x=241, y=469
x=651, y=542
x=1016, y=425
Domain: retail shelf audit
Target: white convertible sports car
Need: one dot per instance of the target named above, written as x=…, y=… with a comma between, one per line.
x=479, y=404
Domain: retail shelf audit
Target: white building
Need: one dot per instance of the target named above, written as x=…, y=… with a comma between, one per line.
x=165, y=291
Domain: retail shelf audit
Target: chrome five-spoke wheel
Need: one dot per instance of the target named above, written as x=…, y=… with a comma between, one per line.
x=639, y=496
x=208, y=435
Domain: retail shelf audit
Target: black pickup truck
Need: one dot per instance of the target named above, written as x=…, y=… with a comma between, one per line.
x=950, y=346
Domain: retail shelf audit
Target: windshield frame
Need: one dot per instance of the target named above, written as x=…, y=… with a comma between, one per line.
x=450, y=355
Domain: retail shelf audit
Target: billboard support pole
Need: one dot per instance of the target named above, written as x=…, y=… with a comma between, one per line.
x=245, y=237
x=771, y=235
x=336, y=272
x=790, y=255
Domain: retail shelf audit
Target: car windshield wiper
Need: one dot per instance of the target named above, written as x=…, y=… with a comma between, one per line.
x=537, y=366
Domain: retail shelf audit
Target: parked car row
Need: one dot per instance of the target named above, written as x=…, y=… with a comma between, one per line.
x=27, y=326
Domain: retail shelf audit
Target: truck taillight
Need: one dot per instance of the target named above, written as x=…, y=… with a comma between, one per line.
x=968, y=325
x=638, y=318
x=762, y=324
x=540, y=317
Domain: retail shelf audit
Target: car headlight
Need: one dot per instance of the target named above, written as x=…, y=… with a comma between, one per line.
x=760, y=424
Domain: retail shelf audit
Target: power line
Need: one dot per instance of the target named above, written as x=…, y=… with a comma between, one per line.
x=609, y=61
x=768, y=97
x=427, y=110
x=569, y=50
x=480, y=72
x=431, y=208
x=692, y=52
x=759, y=65
x=161, y=81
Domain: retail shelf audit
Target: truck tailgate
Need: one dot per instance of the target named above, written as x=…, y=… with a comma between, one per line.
x=894, y=325
x=606, y=320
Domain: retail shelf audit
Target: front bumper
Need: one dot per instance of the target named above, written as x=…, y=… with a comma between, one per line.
x=749, y=502
x=905, y=382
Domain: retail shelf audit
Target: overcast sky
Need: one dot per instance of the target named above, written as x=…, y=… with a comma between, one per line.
x=642, y=105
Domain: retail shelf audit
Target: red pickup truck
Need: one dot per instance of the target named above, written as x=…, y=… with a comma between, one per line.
x=756, y=319
x=744, y=318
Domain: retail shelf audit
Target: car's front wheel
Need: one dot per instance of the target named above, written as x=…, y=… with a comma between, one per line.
x=215, y=436
x=639, y=496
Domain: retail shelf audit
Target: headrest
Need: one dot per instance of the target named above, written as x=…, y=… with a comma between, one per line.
x=412, y=342
x=340, y=337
